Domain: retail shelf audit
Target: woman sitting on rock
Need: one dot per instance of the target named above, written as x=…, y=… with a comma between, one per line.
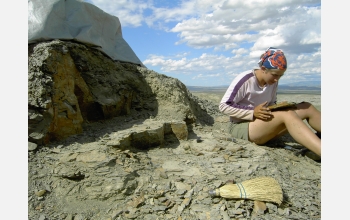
x=248, y=96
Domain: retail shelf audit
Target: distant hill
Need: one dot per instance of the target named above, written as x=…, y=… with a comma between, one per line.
x=301, y=86
x=287, y=87
x=295, y=86
x=304, y=83
x=207, y=88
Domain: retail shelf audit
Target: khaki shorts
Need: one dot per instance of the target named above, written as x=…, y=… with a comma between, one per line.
x=239, y=130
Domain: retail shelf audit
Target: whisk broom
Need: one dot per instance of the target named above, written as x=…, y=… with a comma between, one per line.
x=262, y=189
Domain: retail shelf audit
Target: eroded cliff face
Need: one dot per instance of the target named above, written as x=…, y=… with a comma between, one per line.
x=71, y=83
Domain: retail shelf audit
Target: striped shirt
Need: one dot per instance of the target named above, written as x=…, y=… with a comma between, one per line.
x=244, y=94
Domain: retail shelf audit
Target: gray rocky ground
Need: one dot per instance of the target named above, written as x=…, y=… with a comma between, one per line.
x=146, y=166
x=85, y=178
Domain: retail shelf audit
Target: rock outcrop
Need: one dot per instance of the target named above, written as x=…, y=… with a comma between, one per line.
x=70, y=83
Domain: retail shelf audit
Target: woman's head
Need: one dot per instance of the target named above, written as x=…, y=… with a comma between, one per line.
x=273, y=58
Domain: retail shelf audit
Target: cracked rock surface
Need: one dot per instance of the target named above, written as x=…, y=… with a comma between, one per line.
x=84, y=177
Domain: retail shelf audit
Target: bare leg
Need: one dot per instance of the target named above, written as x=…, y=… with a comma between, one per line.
x=262, y=131
x=311, y=114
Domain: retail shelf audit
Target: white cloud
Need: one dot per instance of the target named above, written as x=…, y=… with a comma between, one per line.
x=239, y=52
x=243, y=29
x=129, y=12
x=209, y=23
x=279, y=23
x=217, y=23
x=311, y=37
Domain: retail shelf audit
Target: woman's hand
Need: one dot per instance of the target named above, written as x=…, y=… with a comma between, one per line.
x=262, y=112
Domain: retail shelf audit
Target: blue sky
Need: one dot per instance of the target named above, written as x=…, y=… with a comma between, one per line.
x=209, y=42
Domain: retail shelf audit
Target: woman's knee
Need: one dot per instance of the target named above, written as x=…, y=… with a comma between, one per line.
x=306, y=110
x=304, y=105
x=285, y=115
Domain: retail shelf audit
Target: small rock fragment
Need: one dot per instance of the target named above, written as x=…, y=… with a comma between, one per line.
x=40, y=193
x=259, y=207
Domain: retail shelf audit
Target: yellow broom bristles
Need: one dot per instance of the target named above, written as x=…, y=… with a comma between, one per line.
x=262, y=189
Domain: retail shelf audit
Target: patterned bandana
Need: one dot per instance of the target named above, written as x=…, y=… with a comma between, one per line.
x=274, y=58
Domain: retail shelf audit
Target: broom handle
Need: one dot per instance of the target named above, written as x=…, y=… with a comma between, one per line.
x=214, y=192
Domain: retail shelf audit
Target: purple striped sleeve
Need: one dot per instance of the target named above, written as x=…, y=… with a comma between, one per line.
x=235, y=91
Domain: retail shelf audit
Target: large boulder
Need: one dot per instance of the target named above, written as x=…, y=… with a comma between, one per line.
x=70, y=83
